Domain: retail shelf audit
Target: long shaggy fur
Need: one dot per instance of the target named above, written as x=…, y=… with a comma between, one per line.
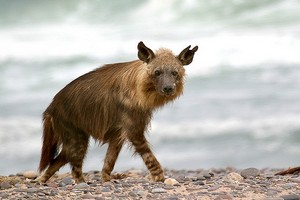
x=112, y=104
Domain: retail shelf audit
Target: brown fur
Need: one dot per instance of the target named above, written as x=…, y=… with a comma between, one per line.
x=113, y=104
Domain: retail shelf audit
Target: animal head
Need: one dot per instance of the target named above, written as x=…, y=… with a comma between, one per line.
x=166, y=70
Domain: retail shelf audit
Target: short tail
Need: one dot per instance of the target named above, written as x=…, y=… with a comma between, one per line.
x=50, y=143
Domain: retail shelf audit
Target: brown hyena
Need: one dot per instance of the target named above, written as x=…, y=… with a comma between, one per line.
x=113, y=104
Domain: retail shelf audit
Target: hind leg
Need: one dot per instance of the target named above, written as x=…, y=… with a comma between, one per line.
x=76, y=151
x=55, y=165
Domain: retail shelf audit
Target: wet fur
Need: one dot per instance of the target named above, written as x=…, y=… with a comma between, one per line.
x=113, y=104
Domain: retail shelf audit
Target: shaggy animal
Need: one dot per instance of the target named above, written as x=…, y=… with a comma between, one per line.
x=113, y=104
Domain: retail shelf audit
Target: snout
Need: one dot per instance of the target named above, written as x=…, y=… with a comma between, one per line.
x=168, y=90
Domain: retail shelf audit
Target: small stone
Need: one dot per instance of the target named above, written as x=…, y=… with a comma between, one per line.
x=250, y=172
x=271, y=192
x=127, y=185
x=171, y=181
x=213, y=188
x=169, y=187
x=199, y=183
x=296, y=180
x=82, y=186
x=233, y=177
x=52, y=184
x=106, y=189
x=201, y=178
x=171, y=198
x=207, y=175
x=269, y=175
x=107, y=184
x=41, y=194
x=291, y=197
x=87, y=196
x=68, y=181
x=99, y=198
x=5, y=185
x=19, y=185
x=223, y=197
x=4, y=196
x=190, y=178
x=53, y=192
x=289, y=185
x=30, y=174
x=32, y=190
x=158, y=190
x=132, y=194
x=20, y=174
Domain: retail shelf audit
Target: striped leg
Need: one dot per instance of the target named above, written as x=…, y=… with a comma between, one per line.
x=112, y=154
x=141, y=146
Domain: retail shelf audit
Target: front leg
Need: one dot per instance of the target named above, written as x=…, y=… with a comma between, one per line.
x=114, y=148
x=141, y=146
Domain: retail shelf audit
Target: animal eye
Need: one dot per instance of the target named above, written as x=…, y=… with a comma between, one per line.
x=174, y=73
x=157, y=72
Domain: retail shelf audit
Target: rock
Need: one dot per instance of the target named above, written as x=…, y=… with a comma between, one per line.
x=32, y=190
x=201, y=178
x=289, y=185
x=81, y=186
x=291, y=197
x=41, y=194
x=21, y=186
x=30, y=174
x=19, y=174
x=4, y=196
x=5, y=185
x=269, y=175
x=169, y=187
x=132, y=194
x=87, y=196
x=52, y=184
x=233, y=177
x=68, y=181
x=158, y=190
x=224, y=196
x=272, y=192
x=273, y=198
x=106, y=189
x=171, y=181
x=213, y=188
x=53, y=192
x=250, y=172
x=207, y=175
x=296, y=180
x=171, y=198
x=199, y=183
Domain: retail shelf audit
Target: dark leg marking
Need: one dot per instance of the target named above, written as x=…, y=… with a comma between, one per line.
x=112, y=154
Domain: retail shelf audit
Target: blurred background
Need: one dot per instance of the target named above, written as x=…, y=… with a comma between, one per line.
x=241, y=105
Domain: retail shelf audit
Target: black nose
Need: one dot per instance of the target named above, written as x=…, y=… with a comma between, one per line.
x=168, y=89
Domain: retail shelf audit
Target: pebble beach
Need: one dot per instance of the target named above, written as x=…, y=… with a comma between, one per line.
x=216, y=184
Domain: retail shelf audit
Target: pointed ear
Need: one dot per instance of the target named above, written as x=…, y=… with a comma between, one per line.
x=187, y=55
x=145, y=54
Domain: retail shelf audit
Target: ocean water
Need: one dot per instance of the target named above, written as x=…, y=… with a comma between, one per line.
x=241, y=104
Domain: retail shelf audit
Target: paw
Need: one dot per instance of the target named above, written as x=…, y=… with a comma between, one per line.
x=118, y=176
x=79, y=180
x=41, y=180
x=105, y=177
x=157, y=178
